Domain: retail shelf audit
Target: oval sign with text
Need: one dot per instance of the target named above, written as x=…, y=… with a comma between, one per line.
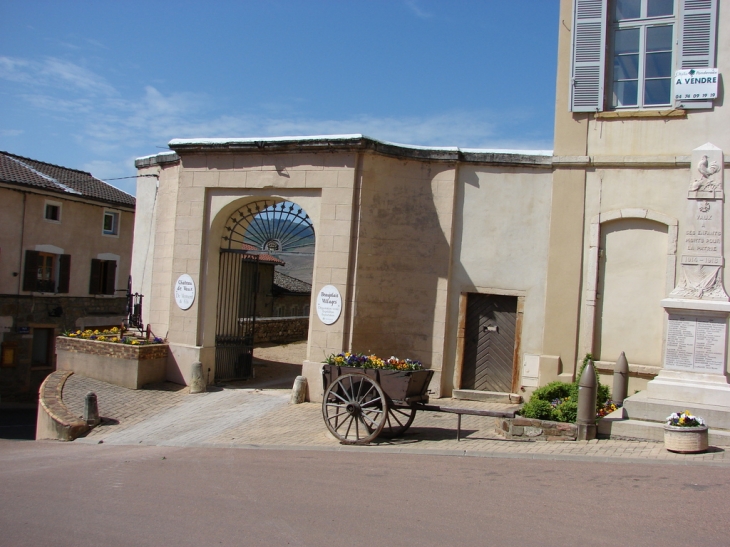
x=329, y=304
x=184, y=291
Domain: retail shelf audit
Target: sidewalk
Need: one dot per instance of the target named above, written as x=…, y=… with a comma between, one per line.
x=239, y=416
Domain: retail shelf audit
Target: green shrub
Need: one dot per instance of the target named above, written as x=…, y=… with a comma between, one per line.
x=567, y=411
x=604, y=394
x=537, y=409
x=554, y=390
x=558, y=401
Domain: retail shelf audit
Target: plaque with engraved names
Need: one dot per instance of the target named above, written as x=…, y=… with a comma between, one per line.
x=680, y=343
x=695, y=344
x=710, y=345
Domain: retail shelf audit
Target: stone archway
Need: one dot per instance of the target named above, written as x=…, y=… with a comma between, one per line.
x=257, y=240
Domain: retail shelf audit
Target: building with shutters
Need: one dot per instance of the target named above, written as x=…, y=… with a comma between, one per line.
x=498, y=269
x=624, y=139
x=65, y=252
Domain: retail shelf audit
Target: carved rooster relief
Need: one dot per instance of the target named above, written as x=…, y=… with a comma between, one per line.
x=706, y=181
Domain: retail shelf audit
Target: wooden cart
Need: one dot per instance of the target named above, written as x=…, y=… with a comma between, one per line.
x=361, y=404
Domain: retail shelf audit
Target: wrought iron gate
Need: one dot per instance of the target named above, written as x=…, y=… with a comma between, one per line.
x=259, y=231
x=489, y=343
x=238, y=280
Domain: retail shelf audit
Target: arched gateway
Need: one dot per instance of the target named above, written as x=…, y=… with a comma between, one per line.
x=256, y=238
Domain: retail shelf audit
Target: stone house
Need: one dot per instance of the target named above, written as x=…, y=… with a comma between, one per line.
x=65, y=254
x=499, y=269
x=291, y=296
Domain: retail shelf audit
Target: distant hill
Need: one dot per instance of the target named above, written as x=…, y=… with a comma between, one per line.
x=292, y=235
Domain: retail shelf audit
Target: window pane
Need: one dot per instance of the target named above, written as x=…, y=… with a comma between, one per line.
x=628, y=9
x=626, y=41
x=656, y=8
x=659, y=38
x=626, y=67
x=657, y=91
x=658, y=65
x=625, y=93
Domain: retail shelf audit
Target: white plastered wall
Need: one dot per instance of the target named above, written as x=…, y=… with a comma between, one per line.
x=501, y=228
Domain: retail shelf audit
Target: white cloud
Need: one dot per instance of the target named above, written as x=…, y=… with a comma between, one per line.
x=15, y=70
x=53, y=72
x=415, y=8
x=10, y=132
x=57, y=70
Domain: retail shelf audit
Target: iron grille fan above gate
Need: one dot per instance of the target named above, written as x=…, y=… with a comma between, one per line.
x=270, y=227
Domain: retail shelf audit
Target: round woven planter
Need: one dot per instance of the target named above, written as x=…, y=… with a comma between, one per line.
x=685, y=440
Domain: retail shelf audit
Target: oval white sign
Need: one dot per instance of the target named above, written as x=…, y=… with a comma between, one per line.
x=184, y=291
x=329, y=304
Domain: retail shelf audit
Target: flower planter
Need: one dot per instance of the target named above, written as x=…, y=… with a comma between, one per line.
x=403, y=386
x=685, y=440
x=123, y=365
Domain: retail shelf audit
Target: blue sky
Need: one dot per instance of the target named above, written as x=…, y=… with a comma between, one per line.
x=92, y=85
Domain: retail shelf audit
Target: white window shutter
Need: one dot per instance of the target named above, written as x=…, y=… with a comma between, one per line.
x=589, y=55
x=697, y=34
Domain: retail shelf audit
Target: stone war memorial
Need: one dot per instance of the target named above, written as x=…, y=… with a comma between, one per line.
x=695, y=356
x=499, y=270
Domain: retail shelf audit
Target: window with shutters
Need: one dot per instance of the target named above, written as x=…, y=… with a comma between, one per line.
x=642, y=60
x=103, y=277
x=46, y=272
x=625, y=52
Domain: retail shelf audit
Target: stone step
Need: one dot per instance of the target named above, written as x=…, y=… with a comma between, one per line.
x=653, y=431
x=486, y=396
x=640, y=407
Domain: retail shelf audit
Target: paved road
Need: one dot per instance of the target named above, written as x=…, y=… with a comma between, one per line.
x=69, y=494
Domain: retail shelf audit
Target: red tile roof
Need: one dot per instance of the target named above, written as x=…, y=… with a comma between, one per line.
x=62, y=180
x=263, y=257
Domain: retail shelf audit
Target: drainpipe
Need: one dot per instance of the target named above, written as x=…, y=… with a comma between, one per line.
x=22, y=241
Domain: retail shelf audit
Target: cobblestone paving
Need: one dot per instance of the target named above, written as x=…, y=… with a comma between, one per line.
x=121, y=407
x=166, y=414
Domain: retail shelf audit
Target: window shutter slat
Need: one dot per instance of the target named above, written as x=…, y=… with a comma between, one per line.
x=95, y=278
x=64, y=274
x=30, y=275
x=111, y=277
x=698, y=34
x=589, y=56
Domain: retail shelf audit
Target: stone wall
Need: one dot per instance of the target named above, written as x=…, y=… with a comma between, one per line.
x=537, y=430
x=281, y=329
x=112, y=349
x=21, y=314
x=119, y=364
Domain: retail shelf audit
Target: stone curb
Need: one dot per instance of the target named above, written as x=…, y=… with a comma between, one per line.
x=55, y=421
x=430, y=452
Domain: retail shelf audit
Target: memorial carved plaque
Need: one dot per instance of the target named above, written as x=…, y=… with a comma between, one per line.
x=701, y=236
x=695, y=344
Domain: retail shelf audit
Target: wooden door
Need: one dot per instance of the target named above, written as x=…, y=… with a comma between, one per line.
x=489, y=343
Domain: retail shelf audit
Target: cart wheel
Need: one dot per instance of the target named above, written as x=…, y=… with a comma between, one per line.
x=354, y=409
x=398, y=421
